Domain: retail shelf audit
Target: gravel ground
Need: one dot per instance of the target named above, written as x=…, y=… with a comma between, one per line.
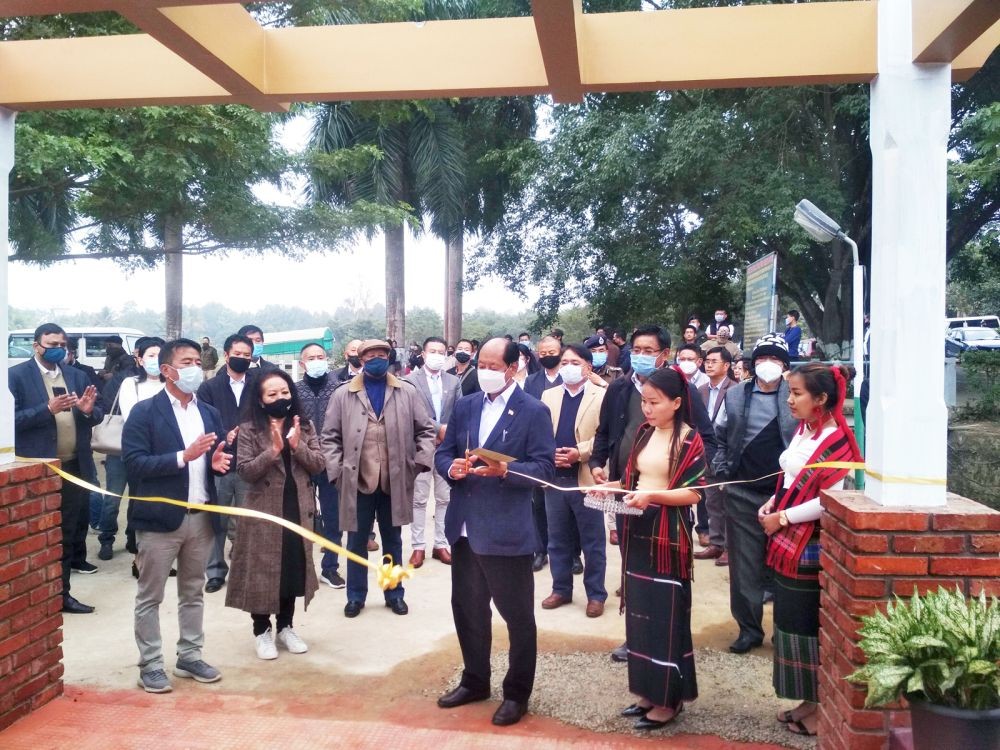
x=736, y=699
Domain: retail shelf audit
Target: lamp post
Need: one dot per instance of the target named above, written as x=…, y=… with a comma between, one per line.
x=822, y=228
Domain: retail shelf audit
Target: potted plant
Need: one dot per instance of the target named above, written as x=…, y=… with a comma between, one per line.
x=942, y=653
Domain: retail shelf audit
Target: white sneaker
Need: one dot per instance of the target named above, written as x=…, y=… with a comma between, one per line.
x=290, y=640
x=265, y=645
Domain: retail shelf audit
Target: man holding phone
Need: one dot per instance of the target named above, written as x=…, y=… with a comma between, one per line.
x=55, y=408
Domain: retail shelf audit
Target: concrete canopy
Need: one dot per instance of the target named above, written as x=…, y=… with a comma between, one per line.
x=212, y=51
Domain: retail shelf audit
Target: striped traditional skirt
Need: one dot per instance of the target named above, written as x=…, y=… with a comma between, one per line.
x=657, y=630
x=796, y=629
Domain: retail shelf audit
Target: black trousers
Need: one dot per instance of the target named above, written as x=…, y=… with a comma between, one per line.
x=510, y=583
x=749, y=575
x=75, y=510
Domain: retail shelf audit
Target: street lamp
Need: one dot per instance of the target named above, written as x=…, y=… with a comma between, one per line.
x=822, y=228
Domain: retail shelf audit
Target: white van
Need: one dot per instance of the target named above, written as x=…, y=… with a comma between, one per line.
x=982, y=321
x=92, y=340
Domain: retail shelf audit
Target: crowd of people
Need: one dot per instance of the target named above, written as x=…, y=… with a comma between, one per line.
x=508, y=437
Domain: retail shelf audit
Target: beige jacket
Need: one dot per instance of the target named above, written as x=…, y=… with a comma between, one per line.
x=587, y=419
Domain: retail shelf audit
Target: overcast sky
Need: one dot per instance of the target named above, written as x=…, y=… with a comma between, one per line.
x=317, y=283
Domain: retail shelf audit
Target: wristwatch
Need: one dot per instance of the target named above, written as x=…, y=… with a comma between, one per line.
x=782, y=519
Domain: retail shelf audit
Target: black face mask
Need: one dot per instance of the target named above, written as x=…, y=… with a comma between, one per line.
x=238, y=364
x=354, y=362
x=462, y=357
x=550, y=362
x=279, y=408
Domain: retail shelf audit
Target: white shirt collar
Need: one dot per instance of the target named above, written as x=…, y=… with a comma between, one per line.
x=502, y=397
x=46, y=373
x=174, y=401
x=431, y=375
x=571, y=394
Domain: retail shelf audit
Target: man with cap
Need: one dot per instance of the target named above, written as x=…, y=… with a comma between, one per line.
x=753, y=428
x=377, y=436
x=600, y=350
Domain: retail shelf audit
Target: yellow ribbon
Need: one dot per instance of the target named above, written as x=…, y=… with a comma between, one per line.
x=387, y=574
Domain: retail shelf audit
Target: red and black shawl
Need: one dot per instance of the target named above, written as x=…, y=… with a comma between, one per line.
x=786, y=545
x=672, y=546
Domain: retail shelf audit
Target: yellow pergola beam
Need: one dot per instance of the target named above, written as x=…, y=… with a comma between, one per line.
x=976, y=54
x=128, y=70
x=943, y=29
x=223, y=41
x=556, y=27
x=759, y=45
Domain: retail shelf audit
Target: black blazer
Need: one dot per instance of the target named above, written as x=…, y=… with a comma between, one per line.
x=538, y=382
x=150, y=442
x=216, y=392
x=470, y=383
x=614, y=417
x=35, y=425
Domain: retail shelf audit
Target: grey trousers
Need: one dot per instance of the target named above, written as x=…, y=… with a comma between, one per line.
x=715, y=503
x=421, y=494
x=747, y=553
x=231, y=491
x=189, y=545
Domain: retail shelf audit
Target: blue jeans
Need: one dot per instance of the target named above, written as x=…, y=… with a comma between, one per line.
x=329, y=509
x=568, y=518
x=114, y=481
x=371, y=506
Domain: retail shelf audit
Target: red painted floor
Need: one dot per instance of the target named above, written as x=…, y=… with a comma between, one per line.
x=196, y=717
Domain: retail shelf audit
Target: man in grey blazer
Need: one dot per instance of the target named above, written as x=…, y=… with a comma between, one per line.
x=439, y=390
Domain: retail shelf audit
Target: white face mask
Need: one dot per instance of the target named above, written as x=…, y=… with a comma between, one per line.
x=189, y=378
x=492, y=381
x=768, y=372
x=571, y=374
x=434, y=361
x=719, y=318
x=688, y=367
x=522, y=364
x=316, y=368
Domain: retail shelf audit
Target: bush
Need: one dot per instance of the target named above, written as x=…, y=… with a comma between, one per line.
x=940, y=647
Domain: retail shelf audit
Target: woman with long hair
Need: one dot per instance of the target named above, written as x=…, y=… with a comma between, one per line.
x=276, y=455
x=666, y=466
x=791, y=520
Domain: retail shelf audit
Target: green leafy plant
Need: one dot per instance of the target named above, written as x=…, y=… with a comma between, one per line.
x=938, y=647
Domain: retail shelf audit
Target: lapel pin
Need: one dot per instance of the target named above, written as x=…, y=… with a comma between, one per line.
x=510, y=412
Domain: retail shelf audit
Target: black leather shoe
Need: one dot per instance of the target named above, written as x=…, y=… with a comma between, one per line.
x=510, y=712
x=646, y=723
x=214, y=584
x=636, y=710
x=540, y=561
x=577, y=566
x=620, y=653
x=72, y=606
x=743, y=644
x=398, y=606
x=460, y=696
x=353, y=609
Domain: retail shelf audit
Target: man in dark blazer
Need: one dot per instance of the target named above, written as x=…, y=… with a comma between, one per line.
x=440, y=391
x=490, y=526
x=172, y=444
x=227, y=391
x=55, y=408
x=352, y=363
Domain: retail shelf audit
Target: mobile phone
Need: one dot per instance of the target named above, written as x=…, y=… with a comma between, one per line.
x=58, y=391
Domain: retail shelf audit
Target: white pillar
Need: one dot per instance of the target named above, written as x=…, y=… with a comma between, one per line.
x=907, y=417
x=6, y=400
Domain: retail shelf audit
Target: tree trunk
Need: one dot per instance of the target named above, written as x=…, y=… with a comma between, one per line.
x=173, y=267
x=395, y=285
x=454, y=270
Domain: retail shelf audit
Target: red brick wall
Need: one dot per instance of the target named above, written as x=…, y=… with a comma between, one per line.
x=871, y=553
x=30, y=590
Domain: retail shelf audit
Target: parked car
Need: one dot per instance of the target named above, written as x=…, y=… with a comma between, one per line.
x=961, y=340
x=92, y=340
x=982, y=321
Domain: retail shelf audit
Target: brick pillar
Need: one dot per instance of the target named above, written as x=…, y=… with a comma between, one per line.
x=870, y=553
x=30, y=590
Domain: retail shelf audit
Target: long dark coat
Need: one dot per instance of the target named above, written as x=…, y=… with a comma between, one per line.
x=255, y=570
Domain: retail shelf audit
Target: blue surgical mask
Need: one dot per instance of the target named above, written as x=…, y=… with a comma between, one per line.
x=643, y=364
x=376, y=368
x=317, y=368
x=258, y=350
x=600, y=359
x=55, y=354
x=189, y=378
x=151, y=366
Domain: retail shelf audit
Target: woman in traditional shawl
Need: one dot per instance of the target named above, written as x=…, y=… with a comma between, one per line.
x=666, y=466
x=791, y=519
